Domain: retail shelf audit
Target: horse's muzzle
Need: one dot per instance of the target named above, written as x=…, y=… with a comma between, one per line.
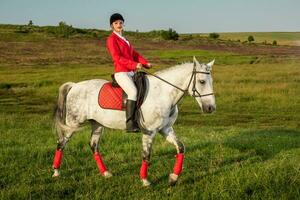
x=209, y=108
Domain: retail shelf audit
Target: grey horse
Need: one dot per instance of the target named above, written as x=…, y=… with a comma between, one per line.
x=78, y=102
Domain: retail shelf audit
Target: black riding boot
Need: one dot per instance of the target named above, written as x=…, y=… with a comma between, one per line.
x=131, y=125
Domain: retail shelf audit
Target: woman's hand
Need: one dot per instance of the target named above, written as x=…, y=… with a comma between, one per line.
x=139, y=66
x=149, y=65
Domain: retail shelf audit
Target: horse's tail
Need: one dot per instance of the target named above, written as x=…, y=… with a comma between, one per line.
x=60, y=110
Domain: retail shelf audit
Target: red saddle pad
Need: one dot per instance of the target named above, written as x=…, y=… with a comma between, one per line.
x=110, y=97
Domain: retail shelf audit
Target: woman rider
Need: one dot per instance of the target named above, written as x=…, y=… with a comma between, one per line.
x=126, y=61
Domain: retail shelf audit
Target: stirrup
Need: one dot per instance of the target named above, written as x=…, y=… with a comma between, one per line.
x=133, y=129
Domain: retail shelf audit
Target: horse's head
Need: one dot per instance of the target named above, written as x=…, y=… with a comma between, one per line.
x=201, y=86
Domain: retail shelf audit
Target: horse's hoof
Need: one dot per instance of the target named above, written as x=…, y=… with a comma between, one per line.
x=173, y=179
x=146, y=183
x=56, y=173
x=107, y=174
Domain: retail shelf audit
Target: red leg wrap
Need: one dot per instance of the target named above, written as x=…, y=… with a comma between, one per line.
x=144, y=170
x=99, y=162
x=178, y=164
x=57, y=159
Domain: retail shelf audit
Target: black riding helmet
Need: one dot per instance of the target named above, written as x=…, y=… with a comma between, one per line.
x=114, y=17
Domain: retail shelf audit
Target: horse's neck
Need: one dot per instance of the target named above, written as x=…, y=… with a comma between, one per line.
x=179, y=76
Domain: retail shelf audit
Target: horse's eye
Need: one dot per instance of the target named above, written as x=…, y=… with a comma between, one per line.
x=202, y=81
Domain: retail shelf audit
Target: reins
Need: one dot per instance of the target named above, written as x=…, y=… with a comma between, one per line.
x=163, y=80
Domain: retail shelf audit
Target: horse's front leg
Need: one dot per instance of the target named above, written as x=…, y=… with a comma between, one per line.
x=169, y=134
x=147, y=146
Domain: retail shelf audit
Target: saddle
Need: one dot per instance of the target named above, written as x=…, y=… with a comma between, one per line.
x=111, y=95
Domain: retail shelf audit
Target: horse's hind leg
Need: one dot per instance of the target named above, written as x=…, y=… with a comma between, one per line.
x=62, y=142
x=170, y=136
x=97, y=132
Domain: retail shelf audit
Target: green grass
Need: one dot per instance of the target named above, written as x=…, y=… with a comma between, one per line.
x=180, y=56
x=248, y=149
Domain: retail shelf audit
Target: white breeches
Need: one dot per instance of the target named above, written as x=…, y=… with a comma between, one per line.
x=125, y=80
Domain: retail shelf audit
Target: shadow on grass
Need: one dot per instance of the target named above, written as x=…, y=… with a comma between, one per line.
x=247, y=148
x=265, y=143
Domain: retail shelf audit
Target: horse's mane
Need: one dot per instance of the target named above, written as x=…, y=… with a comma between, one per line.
x=171, y=68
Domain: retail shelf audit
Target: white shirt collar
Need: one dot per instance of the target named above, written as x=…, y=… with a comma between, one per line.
x=120, y=36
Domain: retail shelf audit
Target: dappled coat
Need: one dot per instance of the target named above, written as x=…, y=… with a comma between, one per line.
x=125, y=58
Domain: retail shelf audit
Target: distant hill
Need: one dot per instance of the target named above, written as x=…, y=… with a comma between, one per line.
x=28, y=45
x=15, y=32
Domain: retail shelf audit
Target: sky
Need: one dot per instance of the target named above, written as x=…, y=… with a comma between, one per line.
x=184, y=16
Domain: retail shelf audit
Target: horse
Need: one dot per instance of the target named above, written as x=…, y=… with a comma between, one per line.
x=77, y=103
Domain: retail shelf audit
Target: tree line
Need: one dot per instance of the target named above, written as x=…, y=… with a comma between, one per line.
x=64, y=30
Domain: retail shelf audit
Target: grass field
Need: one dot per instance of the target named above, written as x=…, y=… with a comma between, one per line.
x=248, y=149
x=282, y=38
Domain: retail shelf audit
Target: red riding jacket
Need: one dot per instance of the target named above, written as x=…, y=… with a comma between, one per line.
x=125, y=58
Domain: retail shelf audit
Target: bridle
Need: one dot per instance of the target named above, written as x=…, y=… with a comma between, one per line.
x=196, y=93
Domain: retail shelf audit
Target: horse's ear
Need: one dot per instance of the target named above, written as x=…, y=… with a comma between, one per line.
x=210, y=64
x=195, y=61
